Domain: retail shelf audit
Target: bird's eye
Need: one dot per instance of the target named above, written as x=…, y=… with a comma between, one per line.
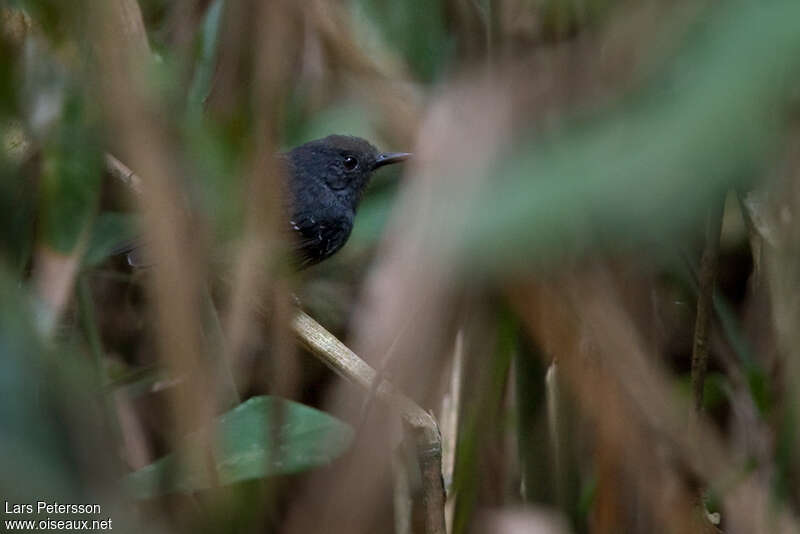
x=350, y=163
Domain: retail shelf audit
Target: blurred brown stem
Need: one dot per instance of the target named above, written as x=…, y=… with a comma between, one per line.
x=709, y=263
x=402, y=500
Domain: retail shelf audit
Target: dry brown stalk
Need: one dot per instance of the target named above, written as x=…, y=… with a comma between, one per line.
x=707, y=277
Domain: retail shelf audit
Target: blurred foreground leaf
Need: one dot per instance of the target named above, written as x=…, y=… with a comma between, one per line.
x=644, y=172
x=109, y=231
x=248, y=448
x=49, y=411
x=417, y=29
x=483, y=418
x=70, y=180
x=348, y=118
x=204, y=69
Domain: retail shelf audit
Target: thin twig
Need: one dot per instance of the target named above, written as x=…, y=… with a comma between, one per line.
x=121, y=172
x=707, y=277
x=759, y=233
x=451, y=407
x=346, y=364
x=553, y=399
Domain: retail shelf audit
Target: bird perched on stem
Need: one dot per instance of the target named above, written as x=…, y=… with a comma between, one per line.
x=326, y=180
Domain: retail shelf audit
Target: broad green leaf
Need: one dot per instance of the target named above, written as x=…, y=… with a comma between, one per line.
x=248, y=447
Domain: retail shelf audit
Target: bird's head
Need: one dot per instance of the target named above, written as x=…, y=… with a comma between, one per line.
x=344, y=163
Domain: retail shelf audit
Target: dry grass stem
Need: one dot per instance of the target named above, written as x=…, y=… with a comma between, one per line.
x=709, y=265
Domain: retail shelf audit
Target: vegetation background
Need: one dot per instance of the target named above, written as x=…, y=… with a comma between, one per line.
x=575, y=310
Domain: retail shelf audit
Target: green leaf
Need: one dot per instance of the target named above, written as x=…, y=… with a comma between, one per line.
x=70, y=180
x=643, y=173
x=109, y=232
x=204, y=69
x=416, y=29
x=48, y=407
x=716, y=390
x=247, y=447
x=485, y=384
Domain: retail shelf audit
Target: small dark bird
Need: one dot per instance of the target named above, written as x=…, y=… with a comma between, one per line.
x=326, y=180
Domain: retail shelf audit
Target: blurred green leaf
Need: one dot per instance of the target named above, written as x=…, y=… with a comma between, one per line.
x=9, y=72
x=344, y=119
x=484, y=383
x=26, y=423
x=644, y=172
x=716, y=390
x=586, y=500
x=206, y=61
x=248, y=447
x=217, y=177
x=17, y=211
x=786, y=460
x=109, y=232
x=70, y=180
x=759, y=390
x=414, y=28
x=373, y=215
x=49, y=414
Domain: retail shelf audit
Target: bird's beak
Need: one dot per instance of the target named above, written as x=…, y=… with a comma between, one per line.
x=387, y=158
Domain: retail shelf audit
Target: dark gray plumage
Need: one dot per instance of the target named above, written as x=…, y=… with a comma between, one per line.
x=327, y=178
